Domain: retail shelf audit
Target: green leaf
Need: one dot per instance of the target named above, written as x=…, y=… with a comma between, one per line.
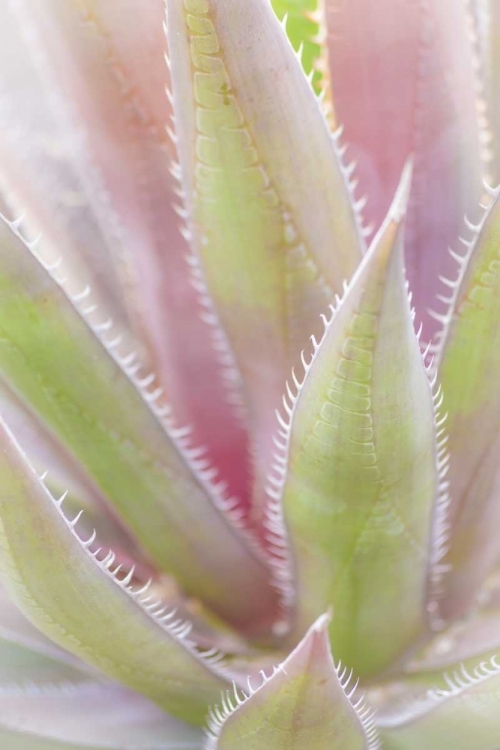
x=307, y=31
x=307, y=702
x=356, y=469
x=86, y=152
x=88, y=717
x=114, y=421
x=256, y=162
x=73, y=594
x=468, y=358
x=459, y=710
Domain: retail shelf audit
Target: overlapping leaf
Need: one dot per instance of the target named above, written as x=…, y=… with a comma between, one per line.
x=161, y=489
x=307, y=702
x=87, y=717
x=76, y=598
x=85, y=145
x=469, y=367
x=458, y=709
x=256, y=162
x=360, y=492
x=404, y=82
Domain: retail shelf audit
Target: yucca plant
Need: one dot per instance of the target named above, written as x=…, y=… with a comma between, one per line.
x=207, y=336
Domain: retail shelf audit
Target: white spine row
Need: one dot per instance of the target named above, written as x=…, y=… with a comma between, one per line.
x=453, y=286
x=281, y=559
x=232, y=701
x=229, y=371
x=340, y=149
x=459, y=683
x=152, y=395
x=153, y=607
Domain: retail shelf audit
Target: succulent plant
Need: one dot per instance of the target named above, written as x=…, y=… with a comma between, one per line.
x=274, y=401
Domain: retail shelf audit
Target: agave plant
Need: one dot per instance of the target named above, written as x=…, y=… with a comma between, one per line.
x=273, y=399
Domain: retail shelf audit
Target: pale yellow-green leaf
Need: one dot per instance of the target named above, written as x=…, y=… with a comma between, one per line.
x=361, y=487
x=469, y=370
x=306, y=703
x=53, y=360
x=73, y=595
x=256, y=162
x=459, y=709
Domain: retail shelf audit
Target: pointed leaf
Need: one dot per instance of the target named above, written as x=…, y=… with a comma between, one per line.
x=459, y=710
x=469, y=367
x=88, y=155
x=404, y=81
x=307, y=31
x=162, y=489
x=88, y=717
x=257, y=162
x=362, y=480
x=76, y=599
x=307, y=702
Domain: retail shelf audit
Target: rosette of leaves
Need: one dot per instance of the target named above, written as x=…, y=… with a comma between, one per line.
x=249, y=416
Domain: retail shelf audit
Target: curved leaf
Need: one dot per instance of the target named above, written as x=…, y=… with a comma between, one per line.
x=162, y=489
x=357, y=472
x=256, y=162
x=468, y=352
x=460, y=710
x=307, y=702
x=75, y=598
x=307, y=31
x=86, y=151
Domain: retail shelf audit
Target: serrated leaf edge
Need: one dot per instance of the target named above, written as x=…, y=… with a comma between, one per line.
x=130, y=365
x=233, y=700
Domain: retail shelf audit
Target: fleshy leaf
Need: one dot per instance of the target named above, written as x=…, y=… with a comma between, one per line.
x=359, y=493
x=256, y=162
x=459, y=710
x=404, y=81
x=75, y=597
x=307, y=702
x=86, y=151
x=468, y=353
x=307, y=31
x=87, y=717
x=162, y=489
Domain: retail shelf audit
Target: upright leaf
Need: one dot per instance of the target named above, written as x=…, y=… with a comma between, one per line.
x=305, y=23
x=469, y=367
x=257, y=162
x=307, y=702
x=404, y=82
x=97, y=402
x=86, y=151
x=357, y=472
